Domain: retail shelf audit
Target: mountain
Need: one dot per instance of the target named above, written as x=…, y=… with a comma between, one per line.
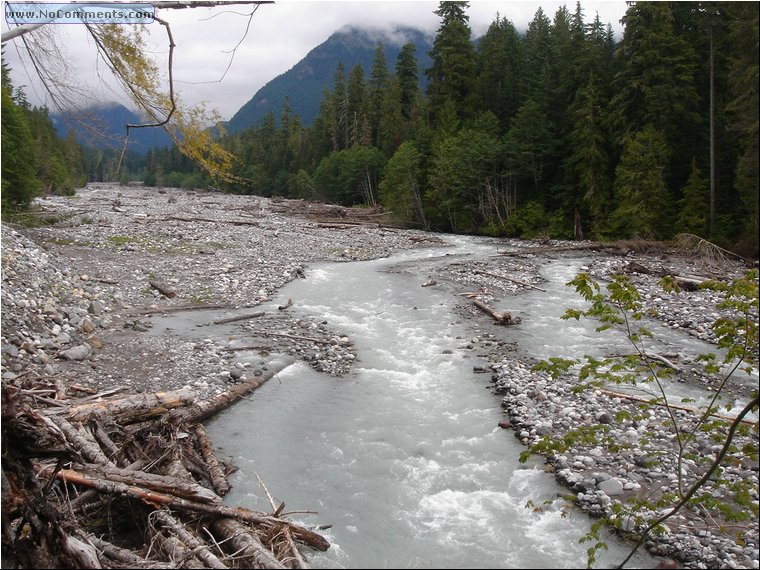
x=304, y=83
x=104, y=126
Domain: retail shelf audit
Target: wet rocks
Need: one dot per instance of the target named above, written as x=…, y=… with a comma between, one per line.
x=632, y=455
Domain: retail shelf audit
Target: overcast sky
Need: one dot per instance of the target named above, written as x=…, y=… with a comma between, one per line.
x=280, y=35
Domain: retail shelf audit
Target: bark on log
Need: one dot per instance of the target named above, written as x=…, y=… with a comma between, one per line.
x=161, y=483
x=233, y=222
x=176, y=552
x=163, y=289
x=87, y=448
x=654, y=356
x=200, y=550
x=178, y=309
x=505, y=318
x=239, y=318
x=128, y=557
x=297, y=337
x=106, y=443
x=201, y=411
x=304, y=535
x=244, y=543
x=84, y=553
x=133, y=408
x=298, y=560
x=218, y=478
x=694, y=411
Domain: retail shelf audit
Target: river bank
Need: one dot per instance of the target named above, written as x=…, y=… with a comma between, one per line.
x=79, y=295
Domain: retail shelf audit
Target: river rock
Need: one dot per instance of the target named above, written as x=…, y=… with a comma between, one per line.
x=612, y=487
x=79, y=352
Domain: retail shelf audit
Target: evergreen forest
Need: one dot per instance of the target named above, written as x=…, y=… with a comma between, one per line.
x=560, y=131
x=36, y=161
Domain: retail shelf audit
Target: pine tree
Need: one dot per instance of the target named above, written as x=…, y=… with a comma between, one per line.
x=529, y=145
x=19, y=181
x=378, y=84
x=357, y=108
x=693, y=215
x=656, y=84
x=588, y=165
x=400, y=188
x=453, y=55
x=392, y=126
x=500, y=74
x=744, y=106
x=640, y=187
x=408, y=79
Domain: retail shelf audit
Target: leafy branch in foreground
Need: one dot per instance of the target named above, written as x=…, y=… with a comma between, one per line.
x=701, y=486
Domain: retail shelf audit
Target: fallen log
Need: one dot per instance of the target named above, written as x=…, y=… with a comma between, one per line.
x=650, y=401
x=133, y=408
x=128, y=557
x=238, y=539
x=175, y=551
x=199, y=550
x=249, y=347
x=653, y=356
x=83, y=552
x=233, y=222
x=78, y=441
x=163, y=289
x=218, y=478
x=298, y=560
x=239, y=318
x=203, y=410
x=297, y=337
x=153, y=481
x=178, y=308
x=504, y=318
x=156, y=499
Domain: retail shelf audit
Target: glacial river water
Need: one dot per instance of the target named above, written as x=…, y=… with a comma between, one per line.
x=403, y=457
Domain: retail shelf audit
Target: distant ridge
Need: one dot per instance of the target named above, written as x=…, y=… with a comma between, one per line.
x=304, y=83
x=104, y=126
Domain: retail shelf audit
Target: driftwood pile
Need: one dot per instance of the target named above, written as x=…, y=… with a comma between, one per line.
x=331, y=215
x=114, y=481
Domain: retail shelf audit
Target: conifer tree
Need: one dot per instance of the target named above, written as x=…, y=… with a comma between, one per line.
x=378, y=84
x=19, y=181
x=640, y=187
x=400, y=189
x=693, y=215
x=408, y=79
x=500, y=71
x=451, y=76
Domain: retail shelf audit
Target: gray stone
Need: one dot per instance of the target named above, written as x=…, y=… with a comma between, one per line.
x=79, y=352
x=611, y=486
x=10, y=350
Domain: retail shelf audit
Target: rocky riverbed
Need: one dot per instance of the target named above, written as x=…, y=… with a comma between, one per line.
x=81, y=292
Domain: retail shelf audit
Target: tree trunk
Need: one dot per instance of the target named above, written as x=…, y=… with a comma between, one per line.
x=244, y=543
x=500, y=318
x=133, y=408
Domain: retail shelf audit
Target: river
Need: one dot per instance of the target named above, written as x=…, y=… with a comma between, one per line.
x=404, y=456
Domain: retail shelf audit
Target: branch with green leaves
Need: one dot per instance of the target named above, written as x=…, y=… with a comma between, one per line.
x=620, y=307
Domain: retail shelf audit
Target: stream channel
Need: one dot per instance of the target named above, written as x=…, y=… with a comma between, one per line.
x=403, y=456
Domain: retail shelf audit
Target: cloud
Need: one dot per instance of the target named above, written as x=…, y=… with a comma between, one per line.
x=279, y=35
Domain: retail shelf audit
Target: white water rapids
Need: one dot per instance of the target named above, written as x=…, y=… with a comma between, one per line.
x=403, y=457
